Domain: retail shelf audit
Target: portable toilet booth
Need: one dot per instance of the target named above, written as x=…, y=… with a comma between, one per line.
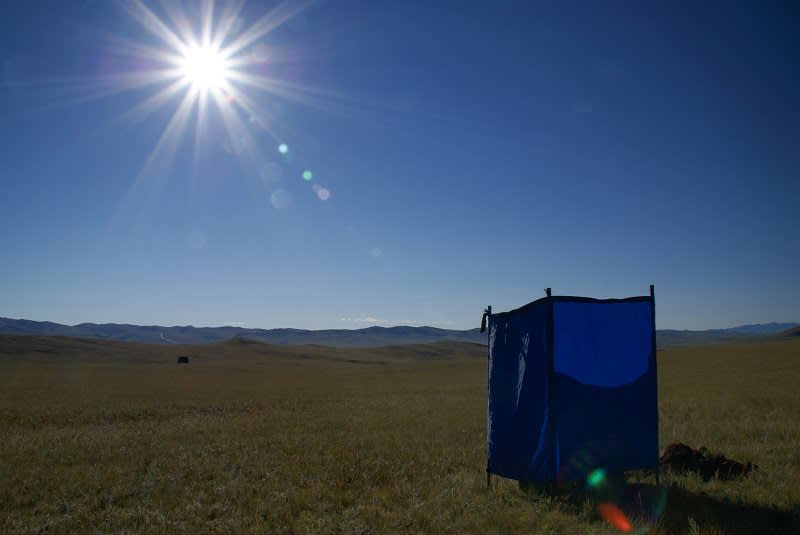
x=572, y=388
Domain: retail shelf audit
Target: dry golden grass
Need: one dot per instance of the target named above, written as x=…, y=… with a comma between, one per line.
x=99, y=437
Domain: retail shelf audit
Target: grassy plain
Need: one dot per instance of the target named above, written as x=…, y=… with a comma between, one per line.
x=102, y=437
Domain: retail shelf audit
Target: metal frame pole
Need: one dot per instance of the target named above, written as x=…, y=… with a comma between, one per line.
x=655, y=371
x=488, y=313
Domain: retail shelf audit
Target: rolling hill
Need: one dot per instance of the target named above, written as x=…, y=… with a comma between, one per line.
x=63, y=349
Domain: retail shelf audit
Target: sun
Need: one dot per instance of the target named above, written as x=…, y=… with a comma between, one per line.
x=223, y=70
x=204, y=67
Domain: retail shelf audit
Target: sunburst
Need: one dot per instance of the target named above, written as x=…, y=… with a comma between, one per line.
x=213, y=62
x=205, y=68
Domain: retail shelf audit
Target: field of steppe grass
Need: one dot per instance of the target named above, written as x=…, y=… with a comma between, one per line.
x=99, y=437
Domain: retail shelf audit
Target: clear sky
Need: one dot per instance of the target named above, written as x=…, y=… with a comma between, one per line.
x=461, y=154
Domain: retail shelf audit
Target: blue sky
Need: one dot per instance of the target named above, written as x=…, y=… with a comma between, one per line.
x=472, y=154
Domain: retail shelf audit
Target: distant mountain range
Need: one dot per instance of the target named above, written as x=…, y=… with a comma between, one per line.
x=367, y=337
x=671, y=337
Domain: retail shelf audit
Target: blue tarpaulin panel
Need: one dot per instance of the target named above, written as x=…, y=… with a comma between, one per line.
x=518, y=387
x=572, y=387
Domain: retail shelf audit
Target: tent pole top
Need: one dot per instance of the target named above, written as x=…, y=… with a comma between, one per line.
x=486, y=313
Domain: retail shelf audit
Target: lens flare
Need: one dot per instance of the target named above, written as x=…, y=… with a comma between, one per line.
x=211, y=63
x=660, y=505
x=596, y=478
x=614, y=516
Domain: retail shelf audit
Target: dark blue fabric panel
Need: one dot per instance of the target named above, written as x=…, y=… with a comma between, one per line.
x=611, y=428
x=602, y=344
x=518, y=394
x=605, y=400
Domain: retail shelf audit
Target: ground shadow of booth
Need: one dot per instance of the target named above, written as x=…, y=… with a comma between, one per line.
x=668, y=508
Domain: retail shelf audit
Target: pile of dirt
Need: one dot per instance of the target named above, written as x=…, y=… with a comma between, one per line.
x=680, y=458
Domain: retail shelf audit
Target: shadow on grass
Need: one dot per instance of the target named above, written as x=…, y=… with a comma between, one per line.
x=670, y=509
x=726, y=516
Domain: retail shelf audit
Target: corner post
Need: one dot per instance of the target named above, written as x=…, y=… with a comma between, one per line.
x=655, y=371
x=488, y=316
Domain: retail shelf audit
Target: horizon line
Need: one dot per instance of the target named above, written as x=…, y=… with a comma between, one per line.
x=399, y=325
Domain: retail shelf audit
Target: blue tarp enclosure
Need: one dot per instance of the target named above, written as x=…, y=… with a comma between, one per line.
x=572, y=388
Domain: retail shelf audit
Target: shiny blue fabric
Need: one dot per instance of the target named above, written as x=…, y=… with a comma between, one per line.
x=572, y=387
x=518, y=394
